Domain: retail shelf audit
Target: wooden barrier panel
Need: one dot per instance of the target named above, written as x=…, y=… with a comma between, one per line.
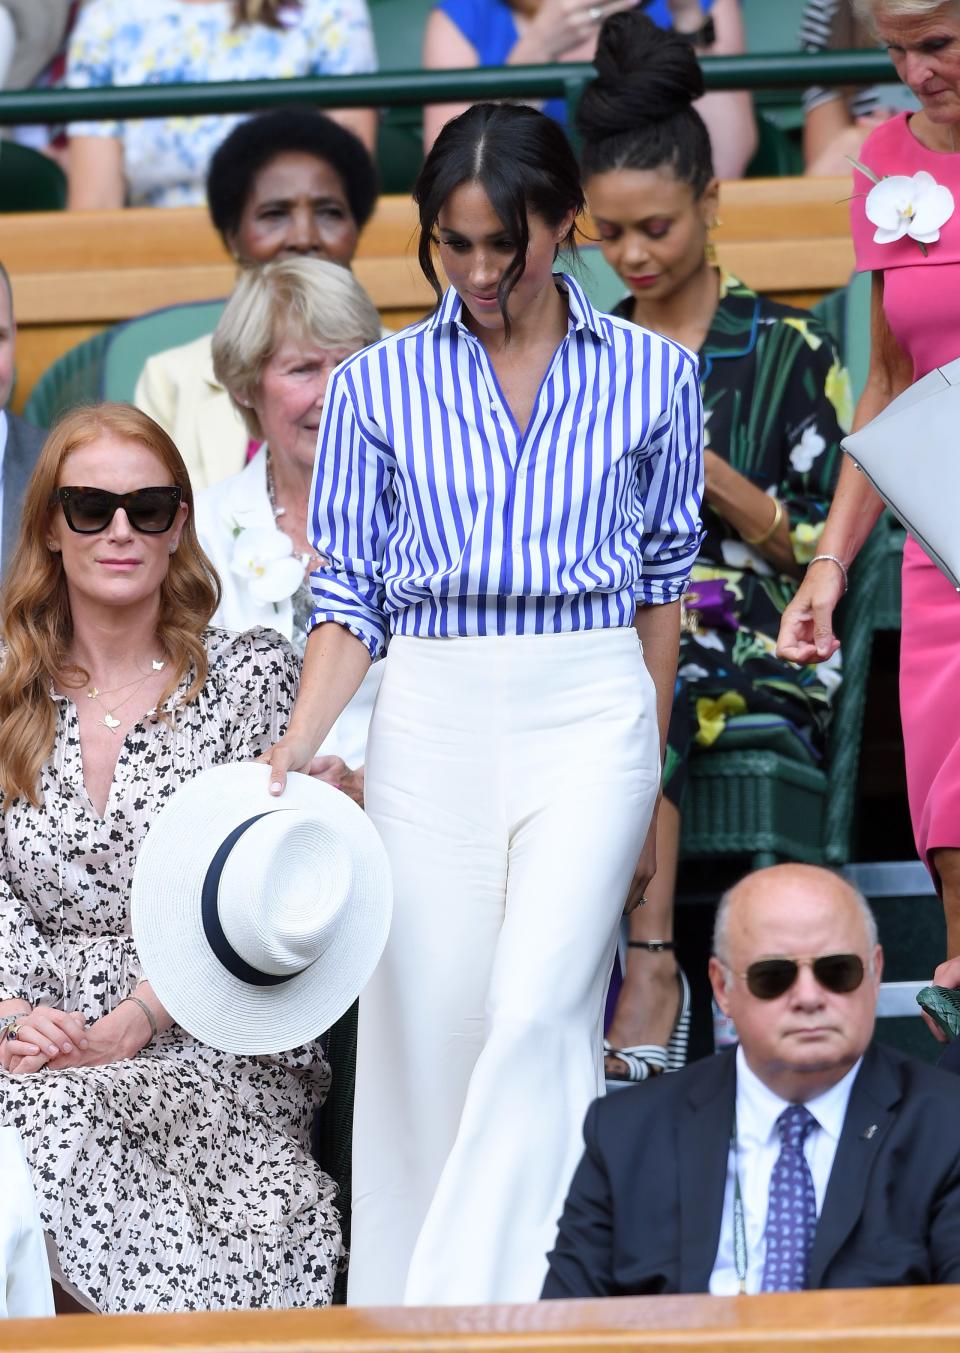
x=76, y=272
x=894, y=1320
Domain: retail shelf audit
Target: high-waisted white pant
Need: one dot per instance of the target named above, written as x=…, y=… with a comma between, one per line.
x=512, y=780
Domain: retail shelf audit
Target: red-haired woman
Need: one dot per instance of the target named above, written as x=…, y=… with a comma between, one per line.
x=169, y=1175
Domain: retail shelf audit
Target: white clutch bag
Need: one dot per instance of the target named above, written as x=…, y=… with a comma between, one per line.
x=911, y=455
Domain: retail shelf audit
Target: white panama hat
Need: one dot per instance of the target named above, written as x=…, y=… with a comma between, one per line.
x=257, y=919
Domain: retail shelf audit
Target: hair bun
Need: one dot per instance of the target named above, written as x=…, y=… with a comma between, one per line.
x=645, y=74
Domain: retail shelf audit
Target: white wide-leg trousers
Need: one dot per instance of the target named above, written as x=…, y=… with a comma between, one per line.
x=512, y=780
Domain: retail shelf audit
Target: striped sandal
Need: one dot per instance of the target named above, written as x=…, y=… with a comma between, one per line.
x=646, y=1060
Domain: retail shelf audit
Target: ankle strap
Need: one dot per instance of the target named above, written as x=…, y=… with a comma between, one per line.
x=652, y=946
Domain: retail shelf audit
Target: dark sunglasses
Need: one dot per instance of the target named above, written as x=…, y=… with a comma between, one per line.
x=151, y=511
x=771, y=977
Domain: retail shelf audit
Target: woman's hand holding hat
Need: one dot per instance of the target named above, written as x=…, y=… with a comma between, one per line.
x=292, y=752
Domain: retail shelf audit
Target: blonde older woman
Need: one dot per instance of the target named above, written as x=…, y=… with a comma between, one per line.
x=916, y=290
x=285, y=328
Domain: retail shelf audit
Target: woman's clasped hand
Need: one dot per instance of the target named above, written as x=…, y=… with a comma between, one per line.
x=58, y=1039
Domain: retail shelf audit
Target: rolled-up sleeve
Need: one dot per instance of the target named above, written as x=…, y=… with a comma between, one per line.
x=671, y=491
x=351, y=507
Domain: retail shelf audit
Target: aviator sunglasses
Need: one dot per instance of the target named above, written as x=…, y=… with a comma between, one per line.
x=771, y=977
x=151, y=511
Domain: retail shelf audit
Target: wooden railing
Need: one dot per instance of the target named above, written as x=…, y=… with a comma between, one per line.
x=896, y=1320
x=75, y=272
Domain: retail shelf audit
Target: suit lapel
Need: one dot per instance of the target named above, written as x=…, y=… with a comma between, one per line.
x=17, y=467
x=875, y=1092
x=703, y=1132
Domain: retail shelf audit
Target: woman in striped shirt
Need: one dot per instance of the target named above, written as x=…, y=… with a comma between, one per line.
x=509, y=492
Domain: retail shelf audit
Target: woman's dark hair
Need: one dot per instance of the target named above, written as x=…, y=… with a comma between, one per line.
x=523, y=162
x=638, y=113
x=252, y=145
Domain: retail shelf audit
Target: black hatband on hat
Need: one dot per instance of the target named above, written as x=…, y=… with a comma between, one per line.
x=210, y=913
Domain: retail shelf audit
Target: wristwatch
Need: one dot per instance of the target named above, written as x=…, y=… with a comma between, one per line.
x=704, y=36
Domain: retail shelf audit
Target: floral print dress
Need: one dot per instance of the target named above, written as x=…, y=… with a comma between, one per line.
x=179, y=1179
x=776, y=401
x=167, y=42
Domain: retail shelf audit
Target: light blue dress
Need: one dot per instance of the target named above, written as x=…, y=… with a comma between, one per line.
x=144, y=42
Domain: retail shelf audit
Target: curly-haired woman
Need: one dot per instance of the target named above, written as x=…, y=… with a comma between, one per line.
x=169, y=1176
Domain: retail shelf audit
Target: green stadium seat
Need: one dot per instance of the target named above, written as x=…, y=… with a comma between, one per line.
x=30, y=181
x=768, y=806
x=75, y=378
x=398, y=28
x=130, y=344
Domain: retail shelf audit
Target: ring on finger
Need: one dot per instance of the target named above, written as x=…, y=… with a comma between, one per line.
x=13, y=1032
x=595, y=13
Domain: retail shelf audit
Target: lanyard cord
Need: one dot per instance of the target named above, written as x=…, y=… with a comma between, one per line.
x=739, y=1225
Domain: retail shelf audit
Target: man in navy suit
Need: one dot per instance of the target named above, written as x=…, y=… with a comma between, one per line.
x=807, y=1157
x=20, y=442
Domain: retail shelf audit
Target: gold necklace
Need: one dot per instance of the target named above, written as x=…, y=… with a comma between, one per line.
x=110, y=719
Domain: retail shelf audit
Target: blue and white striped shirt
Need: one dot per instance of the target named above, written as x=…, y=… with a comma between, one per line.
x=437, y=518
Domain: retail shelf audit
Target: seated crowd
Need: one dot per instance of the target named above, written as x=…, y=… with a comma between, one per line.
x=170, y=570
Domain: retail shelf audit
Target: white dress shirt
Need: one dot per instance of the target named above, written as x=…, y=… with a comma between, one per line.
x=758, y=1146
x=438, y=518
x=25, y=1288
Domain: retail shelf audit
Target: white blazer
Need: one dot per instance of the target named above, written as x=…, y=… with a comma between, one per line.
x=25, y=1288
x=242, y=501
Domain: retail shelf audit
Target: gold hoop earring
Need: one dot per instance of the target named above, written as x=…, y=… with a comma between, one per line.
x=710, y=249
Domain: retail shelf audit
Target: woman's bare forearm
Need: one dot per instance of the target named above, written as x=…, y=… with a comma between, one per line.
x=659, y=631
x=334, y=664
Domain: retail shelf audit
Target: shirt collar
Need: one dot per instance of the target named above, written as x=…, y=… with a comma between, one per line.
x=758, y=1108
x=4, y=433
x=582, y=314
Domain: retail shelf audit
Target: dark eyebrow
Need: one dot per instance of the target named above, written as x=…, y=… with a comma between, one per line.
x=323, y=201
x=500, y=234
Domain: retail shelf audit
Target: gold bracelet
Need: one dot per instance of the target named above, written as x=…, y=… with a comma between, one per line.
x=777, y=519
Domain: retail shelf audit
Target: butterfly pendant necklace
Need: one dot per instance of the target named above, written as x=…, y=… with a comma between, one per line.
x=110, y=719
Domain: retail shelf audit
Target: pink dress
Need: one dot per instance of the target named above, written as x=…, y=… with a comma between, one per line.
x=921, y=300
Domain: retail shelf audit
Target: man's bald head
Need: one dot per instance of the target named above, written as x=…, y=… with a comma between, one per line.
x=779, y=886
x=802, y=1039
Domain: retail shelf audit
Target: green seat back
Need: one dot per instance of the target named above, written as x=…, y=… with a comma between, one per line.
x=601, y=284
x=398, y=28
x=130, y=344
x=779, y=151
x=856, y=330
x=74, y=378
x=772, y=25
x=30, y=181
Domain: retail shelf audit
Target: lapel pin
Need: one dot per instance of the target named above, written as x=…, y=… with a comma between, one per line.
x=867, y=1133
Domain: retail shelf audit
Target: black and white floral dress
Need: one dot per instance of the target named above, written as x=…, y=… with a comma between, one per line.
x=180, y=1179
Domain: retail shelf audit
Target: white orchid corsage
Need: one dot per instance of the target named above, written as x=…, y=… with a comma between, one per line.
x=915, y=205
x=264, y=558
